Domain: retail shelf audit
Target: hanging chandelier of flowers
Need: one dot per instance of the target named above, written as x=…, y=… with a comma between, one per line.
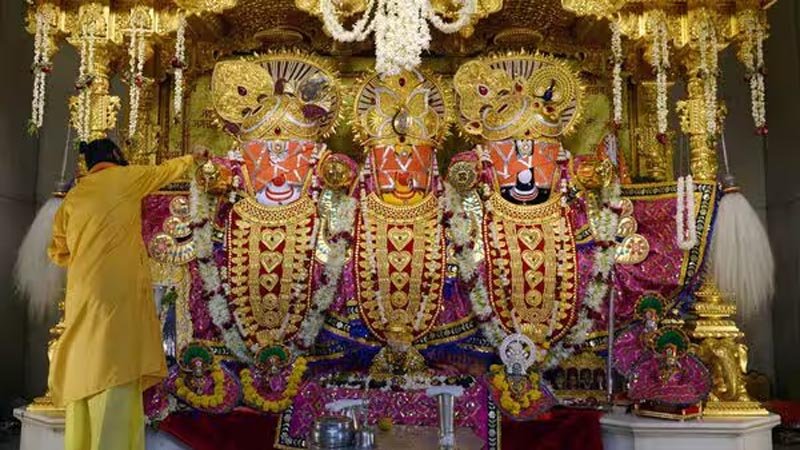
x=179, y=64
x=709, y=69
x=40, y=68
x=400, y=28
x=136, y=51
x=752, y=56
x=84, y=82
x=685, y=213
x=617, y=57
x=659, y=47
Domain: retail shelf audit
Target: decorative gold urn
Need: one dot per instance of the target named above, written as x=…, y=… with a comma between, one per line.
x=718, y=344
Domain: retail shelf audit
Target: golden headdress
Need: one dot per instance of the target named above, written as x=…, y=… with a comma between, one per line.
x=277, y=96
x=410, y=108
x=517, y=96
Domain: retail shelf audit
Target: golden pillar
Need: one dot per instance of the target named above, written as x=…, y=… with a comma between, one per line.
x=718, y=343
x=694, y=123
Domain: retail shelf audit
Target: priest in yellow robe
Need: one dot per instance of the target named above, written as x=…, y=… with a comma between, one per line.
x=111, y=349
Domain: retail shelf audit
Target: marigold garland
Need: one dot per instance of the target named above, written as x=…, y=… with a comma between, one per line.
x=205, y=401
x=254, y=398
x=508, y=401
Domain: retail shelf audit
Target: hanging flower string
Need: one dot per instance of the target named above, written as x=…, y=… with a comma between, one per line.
x=660, y=59
x=685, y=212
x=179, y=64
x=136, y=51
x=40, y=68
x=709, y=68
x=400, y=28
x=752, y=56
x=616, y=51
x=84, y=83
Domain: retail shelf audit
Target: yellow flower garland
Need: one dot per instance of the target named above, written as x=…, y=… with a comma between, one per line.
x=507, y=400
x=252, y=396
x=205, y=401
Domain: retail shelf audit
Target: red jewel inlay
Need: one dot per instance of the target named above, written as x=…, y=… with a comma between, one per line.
x=278, y=131
x=402, y=82
x=483, y=90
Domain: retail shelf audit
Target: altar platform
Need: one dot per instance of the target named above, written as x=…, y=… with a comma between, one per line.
x=565, y=429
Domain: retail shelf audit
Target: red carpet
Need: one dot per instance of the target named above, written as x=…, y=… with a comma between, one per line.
x=562, y=429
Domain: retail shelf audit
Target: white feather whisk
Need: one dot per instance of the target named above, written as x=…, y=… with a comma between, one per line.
x=36, y=278
x=741, y=256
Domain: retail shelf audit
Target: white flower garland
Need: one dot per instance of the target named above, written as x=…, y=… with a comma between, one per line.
x=179, y=64
x=84, y=83
x=202, y=209
x=325, y=294
x=136, y=51
x=753, y=59
x=660, y=56
x=616, y=50
x=686, y=231
x=709, y=65
x=41, y=67
x=400, y=28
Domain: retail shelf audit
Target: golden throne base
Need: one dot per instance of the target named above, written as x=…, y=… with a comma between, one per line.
x=734, y=409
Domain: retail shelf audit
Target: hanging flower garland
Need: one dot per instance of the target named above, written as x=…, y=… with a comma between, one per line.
x=660, y=60
x=40, y=68
x=616, y=51
x=709, y=68
x=686, y=230
x=84, y=83
x=179, y=64
x=136, y=51
x=752, y=55
x=400, y=28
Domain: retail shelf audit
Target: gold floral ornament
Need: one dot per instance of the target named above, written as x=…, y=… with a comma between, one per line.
x=517, y=96
x=411, y=108
x=280, y=96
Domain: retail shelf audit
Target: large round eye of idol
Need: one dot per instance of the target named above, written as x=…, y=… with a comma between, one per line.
x=313, y=89
x=402, y=122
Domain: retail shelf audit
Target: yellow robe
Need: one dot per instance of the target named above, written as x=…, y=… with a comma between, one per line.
x=112, y=334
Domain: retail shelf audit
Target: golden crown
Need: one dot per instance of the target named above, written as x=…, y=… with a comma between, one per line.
x=517, y=96
x=410, y=108
x=277, y=96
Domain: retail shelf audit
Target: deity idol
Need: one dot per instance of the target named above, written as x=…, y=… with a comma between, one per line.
x=632, y=344
x=511, y=221
x=399, y=262
x=281, y=202
x=518, y=107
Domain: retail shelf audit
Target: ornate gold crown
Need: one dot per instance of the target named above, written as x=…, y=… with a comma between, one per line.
x=277, y=96
x=410, y=108
x=517, y=96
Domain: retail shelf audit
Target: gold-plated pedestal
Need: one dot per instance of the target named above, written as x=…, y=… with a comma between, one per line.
x=718, y=344
x=45, y=402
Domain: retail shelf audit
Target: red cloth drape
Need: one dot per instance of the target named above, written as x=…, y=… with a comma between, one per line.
x=561, y=429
